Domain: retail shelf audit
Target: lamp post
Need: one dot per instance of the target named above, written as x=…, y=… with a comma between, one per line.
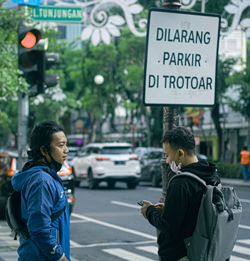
x=99, y=79
x=170, y=115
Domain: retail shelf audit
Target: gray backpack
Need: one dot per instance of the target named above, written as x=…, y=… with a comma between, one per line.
x=217, y=223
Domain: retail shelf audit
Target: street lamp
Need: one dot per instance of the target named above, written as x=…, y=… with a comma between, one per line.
x=99, y=79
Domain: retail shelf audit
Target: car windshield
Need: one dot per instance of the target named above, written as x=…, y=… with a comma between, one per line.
x=155, y=155
x=116, y=150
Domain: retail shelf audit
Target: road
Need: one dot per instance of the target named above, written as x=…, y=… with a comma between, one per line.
x=106, y=225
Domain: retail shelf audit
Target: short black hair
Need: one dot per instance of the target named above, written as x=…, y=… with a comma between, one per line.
x=180, y=138
x=41, y=135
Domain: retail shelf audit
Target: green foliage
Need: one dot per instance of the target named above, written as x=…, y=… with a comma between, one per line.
x=10, y=83
x=228, y=170
x=225, y=70
x=242, y=81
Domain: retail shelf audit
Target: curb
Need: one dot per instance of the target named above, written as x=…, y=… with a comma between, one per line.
x=235, y=182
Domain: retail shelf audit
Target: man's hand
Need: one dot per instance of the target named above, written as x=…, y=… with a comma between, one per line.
x=145, y=206
x=64, y=259
x=159, y=205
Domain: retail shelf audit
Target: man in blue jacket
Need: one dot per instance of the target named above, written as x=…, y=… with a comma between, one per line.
x=42, y=195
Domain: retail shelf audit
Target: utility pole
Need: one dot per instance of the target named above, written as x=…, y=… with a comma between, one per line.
x=23, y=114
x=203, y=6
x=170, y=115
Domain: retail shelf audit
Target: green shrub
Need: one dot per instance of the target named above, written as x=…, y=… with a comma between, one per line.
x=229, y=170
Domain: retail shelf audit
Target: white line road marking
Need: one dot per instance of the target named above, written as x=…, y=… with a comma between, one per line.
x=244, y=227
x=244, y=200
x=9, y=256
x=9, y=241
x=124, y=204
x=112, y=244
x=77, y=221
x=160, y=190
x=134, y=232
x=236, y=258
x=244, y=241
x=155, y=189
x=137, y=207
x=74, y=244
x=149, y=249
x=126, y=255
x=241, y=250
x=5, y=234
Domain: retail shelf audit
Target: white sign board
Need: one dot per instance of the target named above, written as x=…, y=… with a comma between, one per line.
x=181, y=58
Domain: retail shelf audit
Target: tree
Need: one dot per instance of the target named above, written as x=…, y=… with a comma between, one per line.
x=10, y=83
x=241, y=81
x=225, y=68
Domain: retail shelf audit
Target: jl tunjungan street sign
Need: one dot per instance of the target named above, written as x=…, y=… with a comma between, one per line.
x=181, y=58
x=56, y=14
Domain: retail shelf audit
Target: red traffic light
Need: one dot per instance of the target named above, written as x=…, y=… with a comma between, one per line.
x=29, y=39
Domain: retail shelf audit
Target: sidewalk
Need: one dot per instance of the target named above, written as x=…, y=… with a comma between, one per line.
x=235, y=182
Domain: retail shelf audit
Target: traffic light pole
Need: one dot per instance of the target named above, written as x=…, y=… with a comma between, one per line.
x=23, y=114
x=170, y=115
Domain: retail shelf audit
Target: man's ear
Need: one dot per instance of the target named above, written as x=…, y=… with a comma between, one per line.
x=44, y=150
x=181, y=153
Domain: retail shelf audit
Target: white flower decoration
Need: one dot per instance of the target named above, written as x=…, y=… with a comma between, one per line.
x=105, y=33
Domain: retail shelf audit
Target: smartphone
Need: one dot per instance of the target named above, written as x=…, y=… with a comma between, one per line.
x=140, y=203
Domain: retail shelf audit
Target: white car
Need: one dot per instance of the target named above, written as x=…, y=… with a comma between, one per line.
x=108, y=162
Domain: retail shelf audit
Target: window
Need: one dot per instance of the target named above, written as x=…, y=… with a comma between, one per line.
x=155, y=155
x=116, y=150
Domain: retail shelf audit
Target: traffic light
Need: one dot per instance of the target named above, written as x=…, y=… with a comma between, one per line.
x=33, y=60
x=31, y=57
x=51, y=60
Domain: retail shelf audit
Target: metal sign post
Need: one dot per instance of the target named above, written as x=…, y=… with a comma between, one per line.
x=181, y=63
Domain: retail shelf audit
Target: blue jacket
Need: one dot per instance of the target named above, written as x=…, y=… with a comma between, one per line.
x=42, y=194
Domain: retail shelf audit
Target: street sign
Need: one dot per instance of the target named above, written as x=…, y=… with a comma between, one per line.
x=58, y=14
x=181, y=58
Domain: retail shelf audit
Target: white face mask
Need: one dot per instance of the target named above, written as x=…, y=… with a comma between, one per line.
x=174, y=167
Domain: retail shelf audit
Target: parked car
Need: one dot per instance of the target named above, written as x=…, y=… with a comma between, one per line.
x=8, y=168
x=67, y=175
x=110, y=162
x=150, y=161
x=72, y=152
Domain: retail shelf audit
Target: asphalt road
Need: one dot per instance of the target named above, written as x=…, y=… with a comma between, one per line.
x=106, y=225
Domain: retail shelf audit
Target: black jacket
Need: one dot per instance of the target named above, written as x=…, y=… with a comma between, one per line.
x=178, y=218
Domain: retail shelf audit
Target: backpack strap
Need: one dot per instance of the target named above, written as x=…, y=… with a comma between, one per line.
x=191, y=175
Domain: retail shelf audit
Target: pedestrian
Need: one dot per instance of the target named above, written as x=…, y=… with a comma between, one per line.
x=245, y=162
x=42, y=196
x=176, y=218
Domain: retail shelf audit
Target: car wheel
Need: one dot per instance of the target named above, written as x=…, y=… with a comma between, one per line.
x=132, y=184
x=111, y=184
x=77, y=183
x=155, y=181
x=92, y=183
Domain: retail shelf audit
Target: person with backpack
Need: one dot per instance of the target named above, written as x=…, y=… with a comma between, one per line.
x=176, y=218
x=44, y=207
